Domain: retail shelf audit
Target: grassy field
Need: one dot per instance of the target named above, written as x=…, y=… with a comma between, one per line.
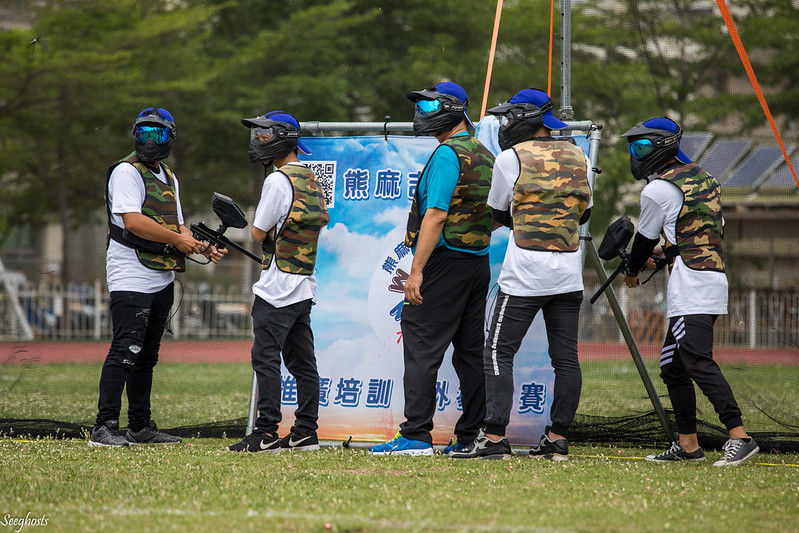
x=200, y=486
x=192, y=393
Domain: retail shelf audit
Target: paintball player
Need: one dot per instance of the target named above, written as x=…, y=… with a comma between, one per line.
x=540, y=190
x=449, y=231
x=290, y=215
x=142, y=199
x=684, y=202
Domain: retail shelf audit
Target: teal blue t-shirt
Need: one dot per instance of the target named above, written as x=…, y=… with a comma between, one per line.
x=437, y=185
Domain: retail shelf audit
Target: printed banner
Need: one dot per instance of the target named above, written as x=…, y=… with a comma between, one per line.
x=361, y=269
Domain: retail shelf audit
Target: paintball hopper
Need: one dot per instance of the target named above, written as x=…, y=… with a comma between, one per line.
x=229, y=213
x=616, y=239
x=613, y=245
x=231, y=216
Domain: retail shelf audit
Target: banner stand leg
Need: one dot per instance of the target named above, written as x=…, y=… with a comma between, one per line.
x=593, y=256
x=253, y=410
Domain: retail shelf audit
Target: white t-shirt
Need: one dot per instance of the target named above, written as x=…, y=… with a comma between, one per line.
x=124, y=271
x=690, y=292
x=530, y=272
x=276, y=287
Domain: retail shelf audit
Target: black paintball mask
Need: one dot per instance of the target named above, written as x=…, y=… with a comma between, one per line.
x=436, y=112
x=153, y=134
x=652, y=148
x=519, y=122
x=271, y=137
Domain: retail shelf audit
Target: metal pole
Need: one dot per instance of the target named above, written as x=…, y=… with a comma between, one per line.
x=628, y=337
x=252, y=413
x=566, y=112
x=11, y=290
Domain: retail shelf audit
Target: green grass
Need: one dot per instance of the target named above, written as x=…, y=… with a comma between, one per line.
x=187, y=394
x=198, y=486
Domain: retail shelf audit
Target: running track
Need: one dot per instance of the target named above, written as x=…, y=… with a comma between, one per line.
x=220, y=351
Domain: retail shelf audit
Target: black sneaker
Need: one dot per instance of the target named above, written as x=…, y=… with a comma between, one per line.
x=301, y=443
x=555, y=450
x=108, y=435
x=151, y=435
x=676, y=453
x=257, y=441
x=484, y=448
x=737, y=451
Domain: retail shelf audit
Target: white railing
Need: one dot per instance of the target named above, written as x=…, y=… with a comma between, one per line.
x=757, y=318
x=80, y=311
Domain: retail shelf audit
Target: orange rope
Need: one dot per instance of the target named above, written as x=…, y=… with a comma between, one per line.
x=551, y=25
x=491, y=57
x=725, y=13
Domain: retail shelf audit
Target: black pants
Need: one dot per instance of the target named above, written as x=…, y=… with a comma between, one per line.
x=287, y=330
x=688, y=355
x=509, y=324
x=454, y=288
x=138, y=320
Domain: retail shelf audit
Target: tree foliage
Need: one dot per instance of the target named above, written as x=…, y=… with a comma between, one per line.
x=71, y=86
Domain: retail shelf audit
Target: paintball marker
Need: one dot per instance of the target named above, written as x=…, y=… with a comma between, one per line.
x=231, y=216
x=614, y=244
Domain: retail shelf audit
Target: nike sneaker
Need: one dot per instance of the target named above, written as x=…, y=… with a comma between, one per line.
x=454, y=446
x=257, y=441
x=302, y=443
x=555, y=450
x=150, y=434
x=108, y=435
x=399, y=445
x=485, y=448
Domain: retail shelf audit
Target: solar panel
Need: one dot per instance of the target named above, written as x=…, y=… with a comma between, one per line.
x=782, y=177
x=723, y=155
x=693, y=144
x=762, y=161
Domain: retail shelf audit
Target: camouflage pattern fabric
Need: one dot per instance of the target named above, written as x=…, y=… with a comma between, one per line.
x=468, y=223
x=698, y=229
x=550, y=195
x=296, y=242
x=160, y=204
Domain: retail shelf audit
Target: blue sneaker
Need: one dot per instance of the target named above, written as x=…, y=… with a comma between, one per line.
x=399, y=445
x=456, y=446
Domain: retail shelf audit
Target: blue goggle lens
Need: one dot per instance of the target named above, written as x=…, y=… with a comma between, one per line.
x=641, y=148
x=159, y=134
x=427, y=107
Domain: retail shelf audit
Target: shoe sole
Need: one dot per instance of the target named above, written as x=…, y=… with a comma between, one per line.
x=751, y=454
x=681, y=460
x=309, y=448
x=94, y=443
x=493, y=456
x=552, y=456
x=412, y=453
x=245, y=450
x=133, y=443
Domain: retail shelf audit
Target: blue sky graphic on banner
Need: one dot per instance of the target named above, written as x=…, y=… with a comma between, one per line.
x=361, y=268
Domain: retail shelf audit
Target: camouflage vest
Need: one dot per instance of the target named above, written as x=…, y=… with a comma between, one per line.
x=698, y=228
x=294, y=244
x=160, y=204
x=550, y=195
x=468, y=223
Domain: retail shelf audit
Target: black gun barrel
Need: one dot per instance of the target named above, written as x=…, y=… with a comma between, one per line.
x=202, y=232
x=607, y=283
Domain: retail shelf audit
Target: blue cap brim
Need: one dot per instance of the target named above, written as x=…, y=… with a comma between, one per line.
x=554, y=123
x=302, y=147
x=682, y=158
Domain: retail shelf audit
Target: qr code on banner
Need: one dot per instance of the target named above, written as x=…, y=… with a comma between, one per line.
x=326, y=174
